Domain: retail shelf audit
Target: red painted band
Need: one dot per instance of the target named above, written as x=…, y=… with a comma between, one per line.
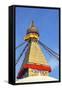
x=38, y=67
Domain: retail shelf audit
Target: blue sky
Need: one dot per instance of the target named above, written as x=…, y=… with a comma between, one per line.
x=47, y=23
